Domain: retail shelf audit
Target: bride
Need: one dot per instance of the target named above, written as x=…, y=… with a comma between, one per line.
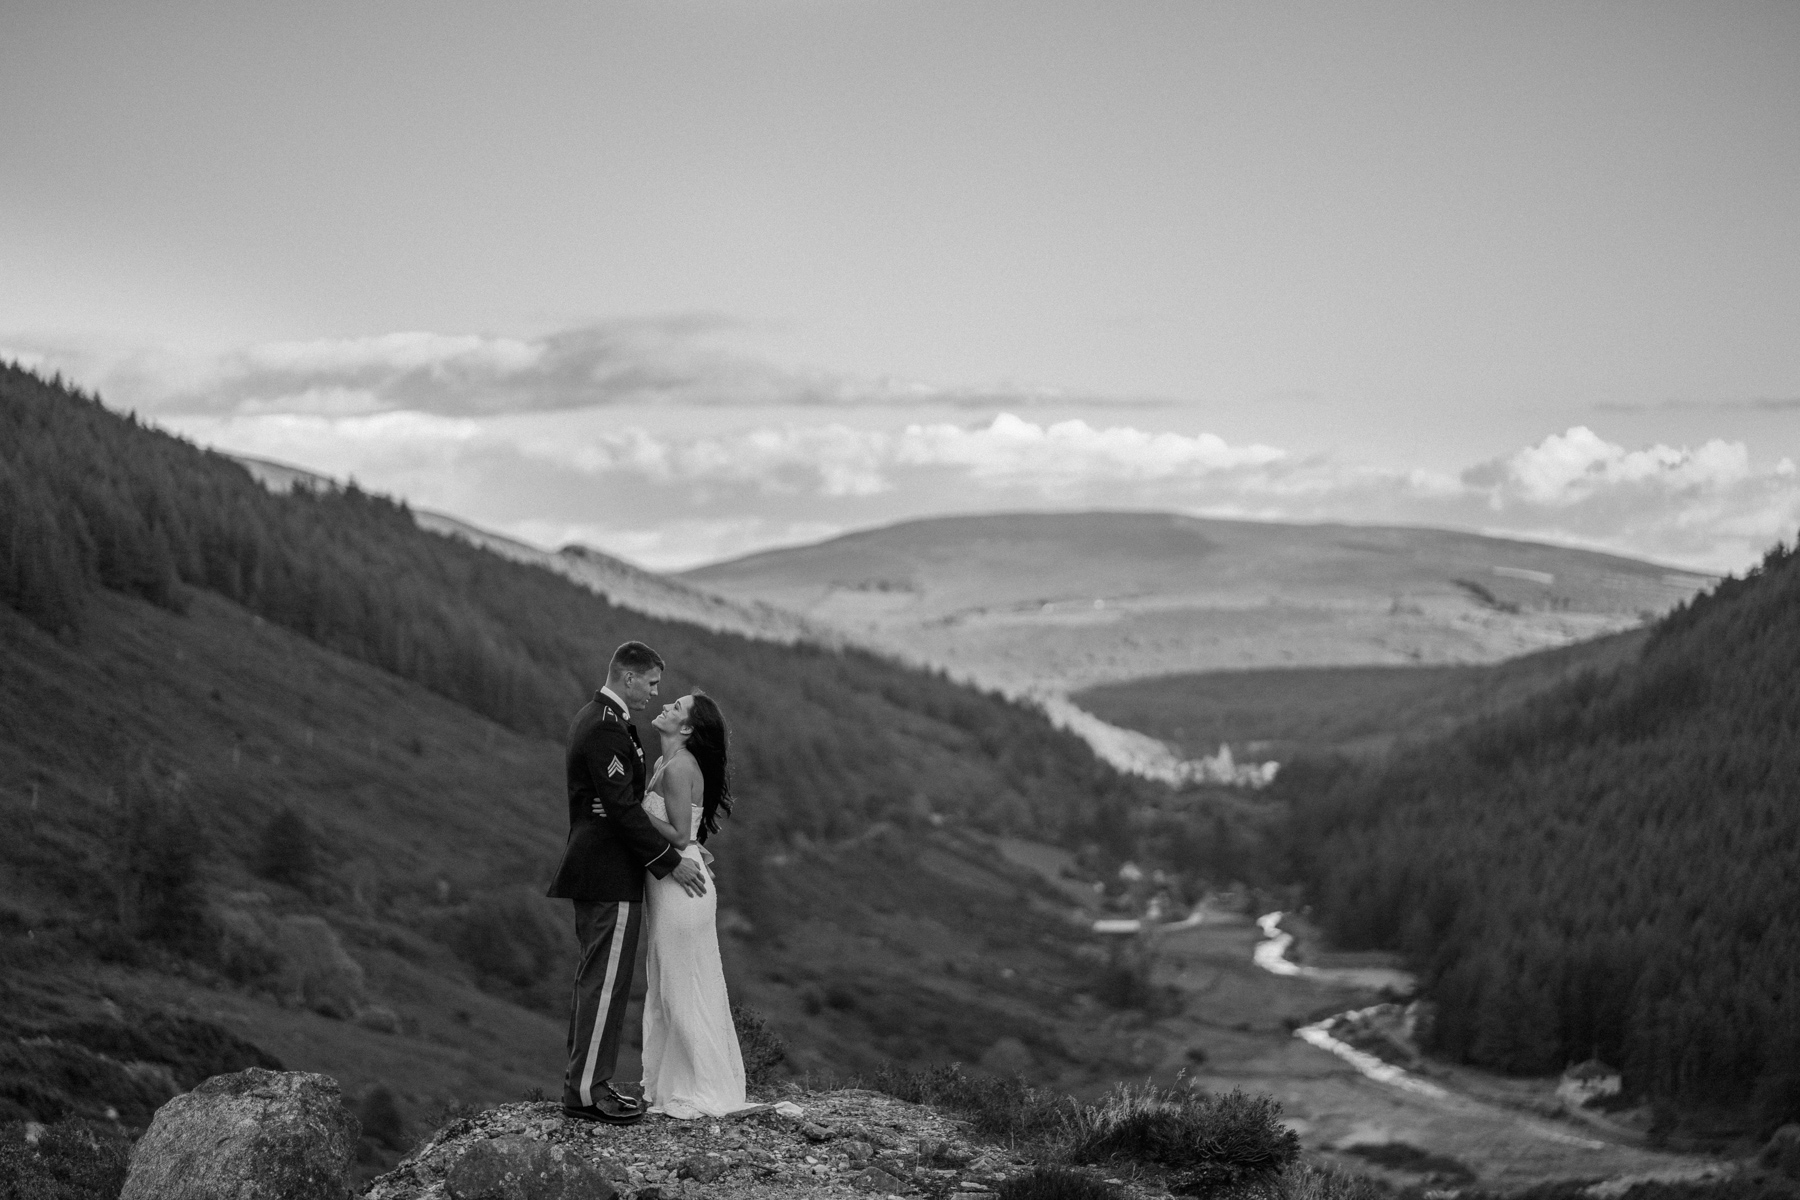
x=692, y=1065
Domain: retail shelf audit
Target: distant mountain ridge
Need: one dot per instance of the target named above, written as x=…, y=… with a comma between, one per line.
x=1054, y=602
x=622, y=583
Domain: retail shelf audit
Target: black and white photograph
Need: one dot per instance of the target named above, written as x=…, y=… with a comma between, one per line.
x=947, y=599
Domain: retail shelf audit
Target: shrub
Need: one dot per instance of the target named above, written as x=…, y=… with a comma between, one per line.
x=381, y=1121
x=155, y=852
x=52, y=1080
x=71, y=1160
x=286, y=852
x=1205, y=1141
x=316, y=969
x=1125, y=983
x=191, y=1048
x=506, y=938
x=761, y=1046
x=245, y=952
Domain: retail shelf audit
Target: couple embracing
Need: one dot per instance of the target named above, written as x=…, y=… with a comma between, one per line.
x=633, y=864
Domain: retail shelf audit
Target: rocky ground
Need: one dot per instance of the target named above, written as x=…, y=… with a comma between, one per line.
x=837, y=1143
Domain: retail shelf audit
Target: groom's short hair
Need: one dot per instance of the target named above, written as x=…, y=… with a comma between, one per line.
x=636, y=658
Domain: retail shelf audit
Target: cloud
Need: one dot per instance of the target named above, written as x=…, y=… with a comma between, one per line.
x=1013, y=450
x=1706, y=506
x=1752, y=403
x=672, y=361
x=620, y=433
x=672, y=499
x=1568, y=468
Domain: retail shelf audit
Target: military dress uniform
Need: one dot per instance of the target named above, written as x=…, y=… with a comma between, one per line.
x=602, y=871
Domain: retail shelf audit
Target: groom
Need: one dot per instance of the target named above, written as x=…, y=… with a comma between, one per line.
x=611, y=844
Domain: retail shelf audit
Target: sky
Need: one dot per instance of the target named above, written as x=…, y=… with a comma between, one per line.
x=684, y=280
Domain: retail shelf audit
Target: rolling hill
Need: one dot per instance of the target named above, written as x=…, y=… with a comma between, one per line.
x=1062, y=601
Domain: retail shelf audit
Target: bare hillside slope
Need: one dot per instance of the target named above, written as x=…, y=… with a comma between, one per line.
x=1056, y=601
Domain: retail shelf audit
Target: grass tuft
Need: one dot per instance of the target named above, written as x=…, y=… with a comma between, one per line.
x=1058, y=1183
x=1205, y=1141
x=1308, y=1182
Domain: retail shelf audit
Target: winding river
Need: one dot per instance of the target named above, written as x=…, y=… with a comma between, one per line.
x=1271, y=955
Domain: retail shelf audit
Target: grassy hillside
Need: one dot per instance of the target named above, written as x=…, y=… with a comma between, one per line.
x=290, y=767
x=828, y=741
x=1069, y=600
x=1608, y=868
x=1307, y=711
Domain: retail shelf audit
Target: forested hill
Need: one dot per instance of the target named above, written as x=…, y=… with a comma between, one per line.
x=826, y=741
x=1612, y=868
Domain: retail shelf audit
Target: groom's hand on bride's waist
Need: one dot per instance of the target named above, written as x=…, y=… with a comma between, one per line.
x=692, y=879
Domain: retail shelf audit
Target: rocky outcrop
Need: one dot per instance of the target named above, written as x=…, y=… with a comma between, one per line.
x=253, y=1135
x=514, y=1167
x=852, y=1139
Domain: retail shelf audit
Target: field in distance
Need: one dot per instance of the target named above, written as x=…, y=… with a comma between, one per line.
x=1282, y=713
x=1070, y=600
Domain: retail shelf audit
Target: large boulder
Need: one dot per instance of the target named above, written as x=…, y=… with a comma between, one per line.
x=254, y=1135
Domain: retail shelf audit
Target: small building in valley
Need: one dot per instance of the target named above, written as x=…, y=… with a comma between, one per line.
x=1586, y=1082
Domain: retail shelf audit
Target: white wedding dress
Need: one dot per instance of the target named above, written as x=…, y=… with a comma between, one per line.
x=692, y=1064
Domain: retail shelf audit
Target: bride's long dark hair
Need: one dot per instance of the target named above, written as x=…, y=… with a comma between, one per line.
x=707, y=744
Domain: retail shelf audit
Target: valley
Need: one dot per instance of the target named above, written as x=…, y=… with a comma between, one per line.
x=914, y=874
x=1506, y=1133
x=1232, y=1023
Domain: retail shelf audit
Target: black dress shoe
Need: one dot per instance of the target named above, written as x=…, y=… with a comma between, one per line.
x=603, y=1109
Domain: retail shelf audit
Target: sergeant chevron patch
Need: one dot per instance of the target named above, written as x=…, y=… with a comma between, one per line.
x=615, y=767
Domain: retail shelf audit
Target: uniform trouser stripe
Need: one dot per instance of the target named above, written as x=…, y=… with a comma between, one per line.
x=608, y=936
x=604, y=1009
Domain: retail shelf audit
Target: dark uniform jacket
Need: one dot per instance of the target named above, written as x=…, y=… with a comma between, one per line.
x=606, y=856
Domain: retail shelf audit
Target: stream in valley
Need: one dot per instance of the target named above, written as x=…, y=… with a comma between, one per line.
x=1252, y=1019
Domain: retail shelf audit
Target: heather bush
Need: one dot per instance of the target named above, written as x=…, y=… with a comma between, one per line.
x=69, y=1160
x=1204, y=1141
x=762, y=1048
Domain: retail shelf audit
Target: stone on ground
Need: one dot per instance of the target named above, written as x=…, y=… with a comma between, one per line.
x=514, y=1167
